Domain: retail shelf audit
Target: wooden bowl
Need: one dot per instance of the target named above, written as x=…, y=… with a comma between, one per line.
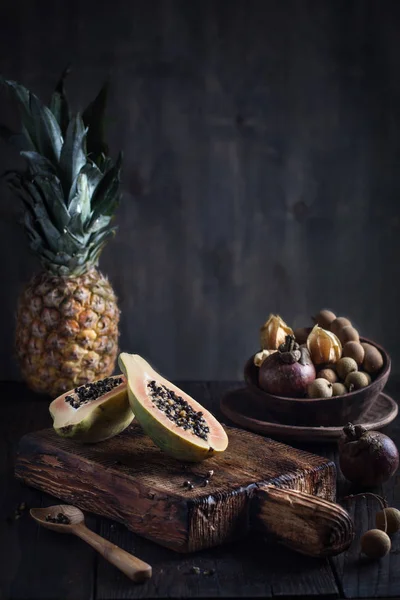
x=327, y=412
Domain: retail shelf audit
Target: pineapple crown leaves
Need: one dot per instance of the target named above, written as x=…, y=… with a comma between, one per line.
x=71, y=187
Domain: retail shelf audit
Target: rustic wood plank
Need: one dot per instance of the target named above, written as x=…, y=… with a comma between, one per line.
x=36, y=564
x=129, y=479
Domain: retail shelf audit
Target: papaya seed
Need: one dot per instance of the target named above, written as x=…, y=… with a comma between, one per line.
x=178, y=410
x=60, y=518
x=91, y=391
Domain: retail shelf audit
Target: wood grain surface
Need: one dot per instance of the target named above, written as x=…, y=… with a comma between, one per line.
x=129, y=479
x=36, y=566
x=261, y=174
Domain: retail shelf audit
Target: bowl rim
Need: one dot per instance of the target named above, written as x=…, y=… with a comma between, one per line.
x=288, y=399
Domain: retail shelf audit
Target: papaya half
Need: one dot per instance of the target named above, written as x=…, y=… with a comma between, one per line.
x=93, y=412
x=176, y=423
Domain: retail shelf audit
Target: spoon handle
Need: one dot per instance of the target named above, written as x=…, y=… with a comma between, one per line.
x=133, y=567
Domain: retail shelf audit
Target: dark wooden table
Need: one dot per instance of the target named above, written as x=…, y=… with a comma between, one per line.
x=37, y=564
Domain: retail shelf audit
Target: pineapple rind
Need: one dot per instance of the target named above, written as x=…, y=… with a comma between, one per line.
x=67, y=331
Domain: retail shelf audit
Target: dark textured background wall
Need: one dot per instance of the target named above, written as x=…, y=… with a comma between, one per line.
x=262, y=165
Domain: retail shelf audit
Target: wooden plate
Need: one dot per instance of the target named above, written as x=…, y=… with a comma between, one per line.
x=239, y=406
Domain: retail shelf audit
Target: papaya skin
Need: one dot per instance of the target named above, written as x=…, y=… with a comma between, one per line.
x=168, y=441
x=103, y=422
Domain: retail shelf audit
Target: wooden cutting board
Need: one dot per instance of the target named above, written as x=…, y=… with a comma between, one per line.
x=129, y=479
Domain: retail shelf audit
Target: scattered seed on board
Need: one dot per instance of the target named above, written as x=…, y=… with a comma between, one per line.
x=195, y=570
x=198, y=571
x=19, y=511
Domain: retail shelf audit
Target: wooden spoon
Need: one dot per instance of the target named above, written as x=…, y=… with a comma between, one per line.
x=133, y=567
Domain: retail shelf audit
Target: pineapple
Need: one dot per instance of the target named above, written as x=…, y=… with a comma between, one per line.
x=67, y=316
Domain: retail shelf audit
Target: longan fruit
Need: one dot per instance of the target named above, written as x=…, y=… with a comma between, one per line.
x=367, y=375
x=319, y=388
x=375, y=543
x=392, y=520
x=324, y=318
x=328, y=374
x=338, y=324
x=348, y=334
x=344, y=366
x=338, y=389
x=355, y=351
x=373, y=359
x=356, y=380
